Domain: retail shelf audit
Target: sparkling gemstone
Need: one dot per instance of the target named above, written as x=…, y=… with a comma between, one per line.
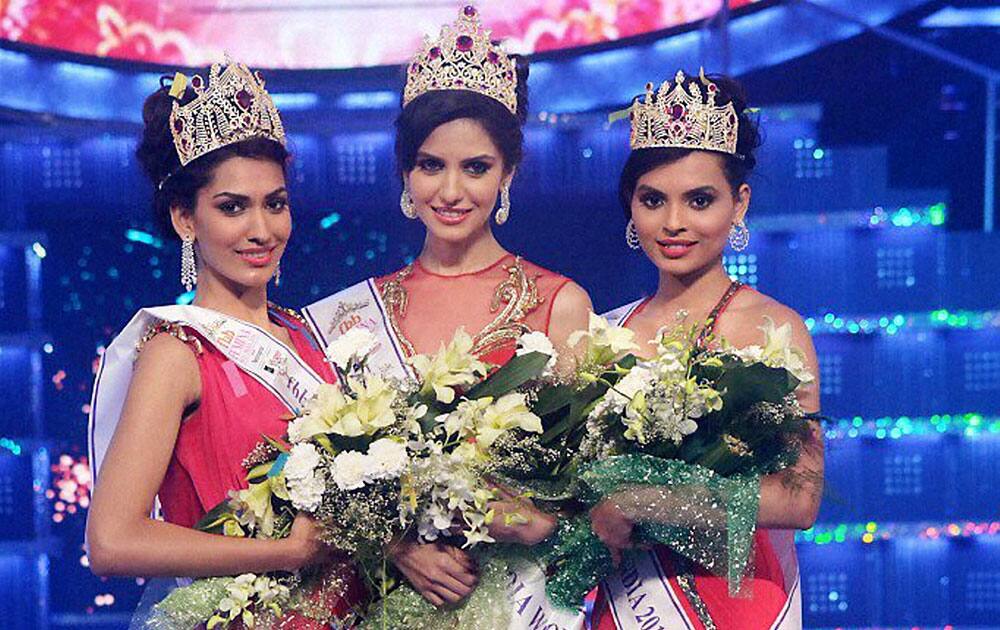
x=459, y=82
x=178, y=125
x=712, y=88
x=435, y=52
x=244, y=99
x=415, y=68
x=463, y=43
x=677, y=111
x=196, y=82
x=469, y=10
x=493, y=57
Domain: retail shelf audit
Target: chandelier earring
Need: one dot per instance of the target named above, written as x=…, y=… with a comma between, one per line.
x=503, y=212
x=189, y=268
x=632, y=235
x=739, y=236
x=406, y=203
x=277, y=274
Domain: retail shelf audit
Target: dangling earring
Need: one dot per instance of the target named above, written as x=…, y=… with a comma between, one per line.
x=739, y=236
x=189, y=270
x=406, y=203
x=631, y=235
x=503, y=212
x=277, y=275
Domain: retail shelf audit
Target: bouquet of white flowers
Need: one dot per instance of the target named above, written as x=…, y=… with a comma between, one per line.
x=682, y=438
x=374, y=460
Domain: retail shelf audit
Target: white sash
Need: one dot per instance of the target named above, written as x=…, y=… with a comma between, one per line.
x=620, y=315
x=532, y=609
x=255, y=351
x=359, y=305
x=641, y=597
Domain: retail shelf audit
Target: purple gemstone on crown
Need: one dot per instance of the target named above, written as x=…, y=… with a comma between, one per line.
x=435, y=52
x=469, y=10
x=196, y=81
x=415, y=68
x=711, y=87
x=677, y=111
x=459, y=82
x=178, y=125
x=244, y=99
x=463, y=43
x=493, y=57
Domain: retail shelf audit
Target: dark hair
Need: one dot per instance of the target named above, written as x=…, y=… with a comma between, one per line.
x=180, y=185
x=430, y=110
x=736, y=167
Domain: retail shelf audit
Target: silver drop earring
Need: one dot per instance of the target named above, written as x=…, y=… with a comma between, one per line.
x=739, y=236
x=503, y=212
x=277, y=274
x=631, y=235
x=189, y=269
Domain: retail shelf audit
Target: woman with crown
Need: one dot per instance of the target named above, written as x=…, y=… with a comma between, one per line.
x=458, y=146
x=685, y=194
x=184, y=393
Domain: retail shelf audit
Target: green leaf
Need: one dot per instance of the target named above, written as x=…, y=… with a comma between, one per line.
x=552, y=399
x=516, y=372
x=275, y=443
x=745, y=385
x=212, y=521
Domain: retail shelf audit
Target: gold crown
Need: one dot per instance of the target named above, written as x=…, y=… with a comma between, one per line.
x=685, y=119
x=232, y=107
x=463, y=58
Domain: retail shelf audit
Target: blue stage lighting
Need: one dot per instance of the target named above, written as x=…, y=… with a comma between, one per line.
x=380, y=99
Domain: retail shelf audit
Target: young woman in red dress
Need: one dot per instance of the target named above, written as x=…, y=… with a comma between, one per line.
x=185, y=392
x=685, y=194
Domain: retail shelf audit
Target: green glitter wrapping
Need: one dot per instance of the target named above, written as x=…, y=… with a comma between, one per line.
x=577, y=559
x=187, y=607
x=405, y=609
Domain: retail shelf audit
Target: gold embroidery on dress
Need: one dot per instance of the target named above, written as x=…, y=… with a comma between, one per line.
x=395, y=298
x=515, y=298
x=292, y=313
x=173, y=329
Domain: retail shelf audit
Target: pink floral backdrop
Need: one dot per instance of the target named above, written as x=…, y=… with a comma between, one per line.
x=322, y=33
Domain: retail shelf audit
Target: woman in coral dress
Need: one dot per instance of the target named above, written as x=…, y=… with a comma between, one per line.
x=458, y=146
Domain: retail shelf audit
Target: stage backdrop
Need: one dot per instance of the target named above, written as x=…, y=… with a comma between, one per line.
x=322, y=33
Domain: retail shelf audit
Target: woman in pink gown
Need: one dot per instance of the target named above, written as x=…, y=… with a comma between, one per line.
x=185, y=393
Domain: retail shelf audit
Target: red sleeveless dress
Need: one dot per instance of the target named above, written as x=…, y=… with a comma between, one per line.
x=766, y=600
x=234, y=411
x=495, y=305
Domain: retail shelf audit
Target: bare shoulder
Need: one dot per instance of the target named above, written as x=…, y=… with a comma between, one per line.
x=169, y=355
x=571, y=299
x=748, y=312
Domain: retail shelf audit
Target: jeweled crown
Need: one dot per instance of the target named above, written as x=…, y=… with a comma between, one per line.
x=463, y=58
x=233, y=106
x=684, y=117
